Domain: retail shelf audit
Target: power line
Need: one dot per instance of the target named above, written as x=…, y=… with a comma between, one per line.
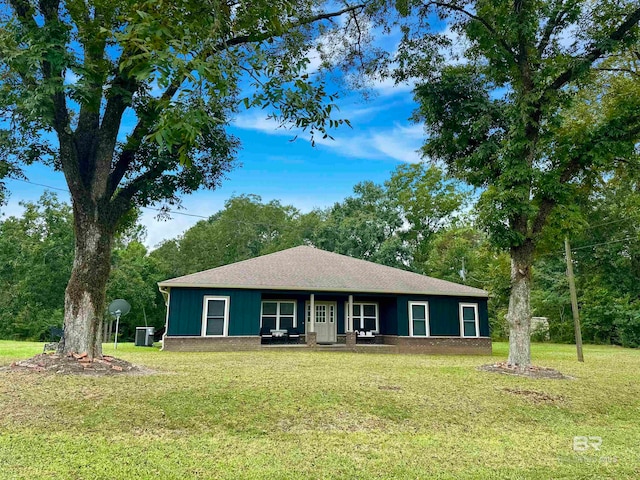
x=67, y=191
x=605, y=223
x=583, y=247
x=184, y=214
x=603, y=243
x=39, y=184
x=194, y=215
x=177, y=213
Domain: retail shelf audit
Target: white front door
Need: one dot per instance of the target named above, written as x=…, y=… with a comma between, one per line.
x=325, y=325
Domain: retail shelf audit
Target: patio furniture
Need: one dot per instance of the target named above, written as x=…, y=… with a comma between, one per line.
x=293, y=335
x=279, y=336
x=368, y=336
x=55, y=336
x=265, y=335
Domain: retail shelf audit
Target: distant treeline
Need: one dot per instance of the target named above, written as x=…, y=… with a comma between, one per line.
x=417, y=220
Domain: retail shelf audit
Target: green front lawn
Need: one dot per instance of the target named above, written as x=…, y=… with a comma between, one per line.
x=301, y=414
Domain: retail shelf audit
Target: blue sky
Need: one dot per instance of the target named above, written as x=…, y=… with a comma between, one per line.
x=272, y=166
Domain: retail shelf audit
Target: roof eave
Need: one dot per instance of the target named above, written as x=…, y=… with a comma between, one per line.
x=479, y=294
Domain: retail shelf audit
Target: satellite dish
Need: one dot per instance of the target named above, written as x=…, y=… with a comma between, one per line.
x=118, y=308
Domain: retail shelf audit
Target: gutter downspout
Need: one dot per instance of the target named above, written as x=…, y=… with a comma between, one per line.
x=166, y=293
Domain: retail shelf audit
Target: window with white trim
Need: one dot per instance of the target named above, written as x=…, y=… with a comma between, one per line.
x=469, y=321
x=419, y=319
x=365, y=317
x=215, y=316
x=278, y=314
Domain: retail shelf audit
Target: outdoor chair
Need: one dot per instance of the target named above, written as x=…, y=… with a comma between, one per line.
x=265, y=335
x=363, y=336
x=55, y=335
x=294, y=335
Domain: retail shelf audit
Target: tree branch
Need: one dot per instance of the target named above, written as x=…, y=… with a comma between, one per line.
x=574, y=166
x=484, y=22
x=587, y=60
x=547, y=204
x=553, y=23
x=141, y=130
x=122, y=201
x=23, y=9
x=61, y=119
x=89, y=116
x=143, y=127
x=244, y=39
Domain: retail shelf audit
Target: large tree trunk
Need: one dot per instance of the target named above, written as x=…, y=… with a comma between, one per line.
x=519, y=314
x=84, y=301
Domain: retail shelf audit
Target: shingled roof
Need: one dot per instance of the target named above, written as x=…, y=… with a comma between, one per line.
x=312, y=269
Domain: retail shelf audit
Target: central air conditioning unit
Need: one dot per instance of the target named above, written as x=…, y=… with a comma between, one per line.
x=144, y=336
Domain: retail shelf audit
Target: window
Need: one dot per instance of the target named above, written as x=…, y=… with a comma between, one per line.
x=419, y=319
x=365, y=317
x=215, y=317
x=469, y=320
x=278, y=314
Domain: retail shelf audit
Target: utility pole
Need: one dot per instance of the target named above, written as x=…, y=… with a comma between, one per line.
x=574, y=299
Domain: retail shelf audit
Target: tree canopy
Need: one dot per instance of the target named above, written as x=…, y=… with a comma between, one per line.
x=503, y=118
x=37, y=249
x=76, y=73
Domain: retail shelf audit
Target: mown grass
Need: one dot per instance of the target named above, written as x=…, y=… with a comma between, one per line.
x=300, y=414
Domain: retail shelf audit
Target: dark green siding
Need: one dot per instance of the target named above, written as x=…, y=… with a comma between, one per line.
x=340, y=315
x=403, y=316
x=185, y=312
x=388, y=315
x=483, y=311
x=444, y=316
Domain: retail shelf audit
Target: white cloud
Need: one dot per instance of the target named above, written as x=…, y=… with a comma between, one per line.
x=399, y=143
x=388, y=86
x=395, y=142
x=454, y=54
x=258, y=121
x=315, y=61
x=366, y=112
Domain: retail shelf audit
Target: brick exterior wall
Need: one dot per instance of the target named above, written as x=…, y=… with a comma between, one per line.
x=210, y=344
x=312, y=339
x=440, y=345
x=350, y=339
x=428, y=345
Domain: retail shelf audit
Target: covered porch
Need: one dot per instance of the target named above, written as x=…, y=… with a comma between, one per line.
x=325, y=318
x=322, y=324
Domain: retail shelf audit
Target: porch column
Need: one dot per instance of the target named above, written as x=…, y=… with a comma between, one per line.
x=350, y=334
x=311, y=333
